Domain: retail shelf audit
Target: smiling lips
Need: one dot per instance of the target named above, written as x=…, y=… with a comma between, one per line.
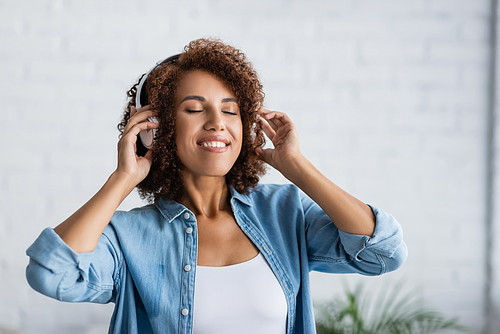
x=216, y=144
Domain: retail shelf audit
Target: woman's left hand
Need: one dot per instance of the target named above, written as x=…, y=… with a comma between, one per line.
x=285, y=137
x=349, y=214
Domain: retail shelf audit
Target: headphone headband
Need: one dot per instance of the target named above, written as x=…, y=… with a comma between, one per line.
x=141, y=97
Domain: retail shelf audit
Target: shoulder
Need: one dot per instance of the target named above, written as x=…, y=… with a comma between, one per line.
x=135, y=213
x=127, y=227
x=272, y=190
x=139, y=218
x=138, y=210
x=277, y=195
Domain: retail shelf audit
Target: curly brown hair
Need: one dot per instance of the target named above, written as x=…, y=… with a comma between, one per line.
x=232, y=67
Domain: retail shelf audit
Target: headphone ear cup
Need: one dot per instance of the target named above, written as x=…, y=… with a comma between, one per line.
x=148, y=136
x=141, y=99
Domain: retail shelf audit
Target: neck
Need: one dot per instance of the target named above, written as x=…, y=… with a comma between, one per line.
x=205, y=196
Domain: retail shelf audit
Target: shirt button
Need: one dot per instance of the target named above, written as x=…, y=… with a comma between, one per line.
x=185, y=311
x=189, y=230
x=187, y=267
x=186, y=215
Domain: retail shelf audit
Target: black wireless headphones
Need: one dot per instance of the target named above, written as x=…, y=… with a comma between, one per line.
x=146, y=137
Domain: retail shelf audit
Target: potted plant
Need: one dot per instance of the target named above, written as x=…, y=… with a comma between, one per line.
x=392, y=313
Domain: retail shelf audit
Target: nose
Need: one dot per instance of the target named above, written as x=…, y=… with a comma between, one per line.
x=214, y=121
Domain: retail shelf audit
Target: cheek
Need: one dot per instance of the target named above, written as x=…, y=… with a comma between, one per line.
x=180, y=131
x=241, y=132
x=238, y=129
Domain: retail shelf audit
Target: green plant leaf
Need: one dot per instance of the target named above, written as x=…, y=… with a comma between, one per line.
x=393, y=312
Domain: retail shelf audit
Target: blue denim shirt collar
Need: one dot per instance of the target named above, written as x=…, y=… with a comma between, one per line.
x=245, y=199
x=172, y=209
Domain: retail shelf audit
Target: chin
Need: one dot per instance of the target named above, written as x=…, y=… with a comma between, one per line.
x=210, y=171
x=216, y=173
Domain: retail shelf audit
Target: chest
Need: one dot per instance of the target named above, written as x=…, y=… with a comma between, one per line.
x=221, y=242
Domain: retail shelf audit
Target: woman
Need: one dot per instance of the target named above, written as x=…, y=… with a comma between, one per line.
x=214, y=252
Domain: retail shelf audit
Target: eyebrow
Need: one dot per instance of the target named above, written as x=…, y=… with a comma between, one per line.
x=194, y=97
x=229, y=99
x=202, y=99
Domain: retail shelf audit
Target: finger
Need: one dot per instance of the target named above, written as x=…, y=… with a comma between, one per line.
x=134, y=129
x=130, y=138
x=280, y=118
x=139, y=117
x=268, y=130
x=267, y=121
x=264, y=111
x=264, y=154
x=275, y=124
x=127, y=144
x=145, y=108
x=283, y=133
x=275, y=118
x=266, y=114
x=133, y=110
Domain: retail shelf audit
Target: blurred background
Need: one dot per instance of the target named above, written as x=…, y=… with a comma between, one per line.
x=394, y=100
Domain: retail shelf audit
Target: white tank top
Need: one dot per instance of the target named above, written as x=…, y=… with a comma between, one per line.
x=243, y=298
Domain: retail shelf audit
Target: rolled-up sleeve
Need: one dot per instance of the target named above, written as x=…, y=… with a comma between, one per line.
x=385, y=247
x=57, y=271
x=335, y=251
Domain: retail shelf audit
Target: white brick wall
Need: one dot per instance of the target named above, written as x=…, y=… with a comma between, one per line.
x=389, y=96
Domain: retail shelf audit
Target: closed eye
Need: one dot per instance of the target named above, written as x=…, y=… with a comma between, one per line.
x=230, y=113
x=193, y=111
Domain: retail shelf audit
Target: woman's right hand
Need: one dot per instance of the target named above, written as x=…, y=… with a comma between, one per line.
x=82, y=230
x=129, y=163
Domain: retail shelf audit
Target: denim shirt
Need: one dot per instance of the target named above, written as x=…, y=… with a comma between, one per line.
x=145, y=260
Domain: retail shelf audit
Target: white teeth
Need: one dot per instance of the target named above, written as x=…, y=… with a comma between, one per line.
x=214, y=144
